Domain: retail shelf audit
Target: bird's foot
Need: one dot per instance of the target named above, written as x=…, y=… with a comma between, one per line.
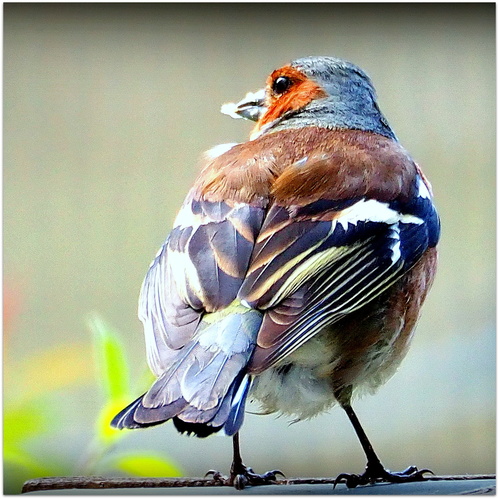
x=242, y=476
x=217, y=476
x=375, y=473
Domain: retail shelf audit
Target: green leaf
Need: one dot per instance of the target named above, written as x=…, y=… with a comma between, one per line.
x=18, y=458
x=105, y=432
x=20, y=423
x=149, y=465
x=110, y=360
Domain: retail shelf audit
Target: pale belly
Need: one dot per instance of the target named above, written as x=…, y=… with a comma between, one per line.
x=302, y=385
x=298, y=386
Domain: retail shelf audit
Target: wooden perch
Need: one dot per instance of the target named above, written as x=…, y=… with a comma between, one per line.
x=97, y=482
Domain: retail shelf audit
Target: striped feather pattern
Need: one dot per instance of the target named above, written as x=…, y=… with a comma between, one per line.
x=199, y=269
x=329, y=261
x=272, y=245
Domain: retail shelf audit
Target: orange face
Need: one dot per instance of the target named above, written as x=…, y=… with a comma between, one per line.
x=288, y=90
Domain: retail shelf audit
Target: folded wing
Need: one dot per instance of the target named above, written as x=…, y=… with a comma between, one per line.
x=315, y=263
x=199, y=270
x=198, y=337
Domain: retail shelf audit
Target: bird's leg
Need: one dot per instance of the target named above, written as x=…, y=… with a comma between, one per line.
x=241, y=475
x=375, y=471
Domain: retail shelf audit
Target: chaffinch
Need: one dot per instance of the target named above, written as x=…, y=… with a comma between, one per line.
x=296, y=268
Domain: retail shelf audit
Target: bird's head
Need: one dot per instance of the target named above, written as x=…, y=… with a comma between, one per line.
x=313, y=91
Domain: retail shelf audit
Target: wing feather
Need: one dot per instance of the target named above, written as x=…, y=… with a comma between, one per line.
x=199, y=269
x=337, y=263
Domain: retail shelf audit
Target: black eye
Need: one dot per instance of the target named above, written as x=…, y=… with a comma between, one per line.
x=281, y=84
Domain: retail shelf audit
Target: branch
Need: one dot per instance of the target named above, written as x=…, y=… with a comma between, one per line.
x=97, y=482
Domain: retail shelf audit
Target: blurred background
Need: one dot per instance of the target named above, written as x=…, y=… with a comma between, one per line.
x=107, y=109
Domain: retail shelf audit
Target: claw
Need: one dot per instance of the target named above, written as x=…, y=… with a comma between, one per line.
x=247, y=476
x=217, y=476
x=408, y=471
x=350, y=480
x=273, y=474
x=412, y=470
x=377, y=473
x=244, y=477
x=240, y=482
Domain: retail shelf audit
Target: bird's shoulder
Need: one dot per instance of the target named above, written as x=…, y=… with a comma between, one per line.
x=303, y=165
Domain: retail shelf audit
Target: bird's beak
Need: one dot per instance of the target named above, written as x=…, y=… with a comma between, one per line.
x=252, y=107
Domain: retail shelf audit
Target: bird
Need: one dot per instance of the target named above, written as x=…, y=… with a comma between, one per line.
x=296, y=268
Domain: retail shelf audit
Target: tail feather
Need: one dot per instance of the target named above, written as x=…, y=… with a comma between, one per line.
x=126, y=417
x=152, y=415
x=199, y=429
x=205, y=387
x=236, y=414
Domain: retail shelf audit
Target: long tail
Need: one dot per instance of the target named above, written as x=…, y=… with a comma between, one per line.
x=205, y=387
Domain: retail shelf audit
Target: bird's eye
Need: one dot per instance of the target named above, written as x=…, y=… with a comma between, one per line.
x=281, y=84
